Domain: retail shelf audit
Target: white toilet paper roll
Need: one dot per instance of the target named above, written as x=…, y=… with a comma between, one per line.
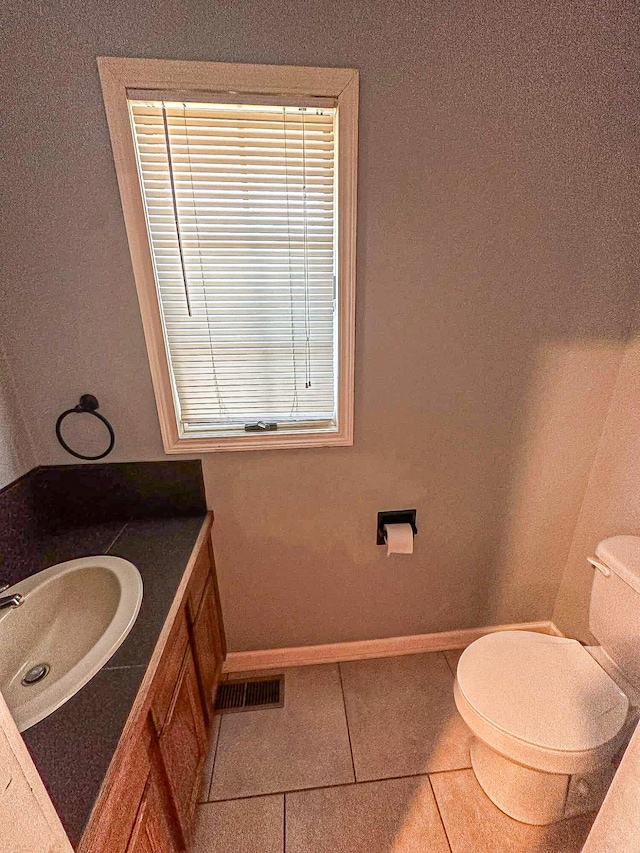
x=399, y=539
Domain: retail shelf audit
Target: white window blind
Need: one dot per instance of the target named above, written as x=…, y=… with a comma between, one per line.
x=241, y=203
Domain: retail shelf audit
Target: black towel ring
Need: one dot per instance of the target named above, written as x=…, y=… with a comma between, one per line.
x=88, y=404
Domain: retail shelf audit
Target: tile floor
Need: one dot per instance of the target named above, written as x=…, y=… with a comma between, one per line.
x=365, y=757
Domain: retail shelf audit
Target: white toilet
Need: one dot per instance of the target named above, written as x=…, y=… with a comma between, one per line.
x=550, y=716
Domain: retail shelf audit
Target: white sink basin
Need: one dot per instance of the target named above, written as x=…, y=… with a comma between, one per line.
x=72, y=618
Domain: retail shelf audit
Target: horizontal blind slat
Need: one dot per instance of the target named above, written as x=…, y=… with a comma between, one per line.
x=254, y=192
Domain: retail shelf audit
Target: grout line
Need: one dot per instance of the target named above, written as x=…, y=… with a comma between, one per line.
x=127, y=666
x=338, y=785
x=453, y=671
x=213, y=763
x=435, y=799
x=440, y=772
x=116, y=537
x=346, y=719
x=212, y=745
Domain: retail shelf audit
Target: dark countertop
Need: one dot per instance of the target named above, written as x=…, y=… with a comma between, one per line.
x=73, y=747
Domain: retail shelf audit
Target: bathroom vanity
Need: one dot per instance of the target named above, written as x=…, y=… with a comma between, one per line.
x=123, y=758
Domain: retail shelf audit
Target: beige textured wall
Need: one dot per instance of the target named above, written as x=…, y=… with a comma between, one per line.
x=17, y=454
x=611, y=502
x=496, y=275
x=566, y=407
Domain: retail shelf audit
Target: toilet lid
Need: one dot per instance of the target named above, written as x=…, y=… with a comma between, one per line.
x=543, y=690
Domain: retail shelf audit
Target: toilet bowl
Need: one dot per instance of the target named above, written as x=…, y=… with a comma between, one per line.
x=550, y=717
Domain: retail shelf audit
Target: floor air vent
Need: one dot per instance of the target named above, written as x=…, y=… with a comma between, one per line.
x=250, y=695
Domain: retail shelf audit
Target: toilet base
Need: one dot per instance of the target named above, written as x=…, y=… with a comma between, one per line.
x=534, y=796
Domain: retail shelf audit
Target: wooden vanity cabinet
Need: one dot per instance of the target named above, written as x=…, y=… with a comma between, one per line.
x=152, y=832
x=206, y=641
x=148, y=799
x=183, y=746
x=154, y=828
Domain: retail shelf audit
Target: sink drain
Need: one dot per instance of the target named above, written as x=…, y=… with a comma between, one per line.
x=36, y=674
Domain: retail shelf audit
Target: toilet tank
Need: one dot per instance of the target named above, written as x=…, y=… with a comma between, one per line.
x=614, y=611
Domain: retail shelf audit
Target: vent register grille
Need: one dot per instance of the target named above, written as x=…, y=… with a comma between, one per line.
x=240, y=203
x=250, y=695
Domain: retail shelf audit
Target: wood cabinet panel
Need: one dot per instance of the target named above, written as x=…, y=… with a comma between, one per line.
x=169, y=670
x=207, y=649
x=152, y=832
x=183, y=745
x=199, y=578
x=221, y=639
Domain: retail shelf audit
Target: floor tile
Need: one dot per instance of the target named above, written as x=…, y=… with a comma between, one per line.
x=303, y=745
x=207, y=771
x=474, y=824
x=391, y=816
x=453, y=656
x=255, y=825
x=402, y=717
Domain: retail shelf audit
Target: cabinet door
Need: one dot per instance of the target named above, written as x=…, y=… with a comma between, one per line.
x=207, y=648
x=183, y=745
x=152, y=830
x=169, y=669
x=204, y=572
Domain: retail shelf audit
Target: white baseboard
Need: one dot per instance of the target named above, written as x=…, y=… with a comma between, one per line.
x=362, y=649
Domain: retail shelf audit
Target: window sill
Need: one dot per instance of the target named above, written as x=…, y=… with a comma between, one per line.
x=175, y=444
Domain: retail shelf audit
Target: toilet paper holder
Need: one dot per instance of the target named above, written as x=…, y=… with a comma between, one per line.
x=395, y=516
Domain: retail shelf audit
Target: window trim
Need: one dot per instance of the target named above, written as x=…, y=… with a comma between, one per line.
x=118, y=77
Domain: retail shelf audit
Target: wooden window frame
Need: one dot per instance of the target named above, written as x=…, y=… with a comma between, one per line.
x=120, y=76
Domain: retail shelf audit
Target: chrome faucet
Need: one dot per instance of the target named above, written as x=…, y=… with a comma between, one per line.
x=14, y=600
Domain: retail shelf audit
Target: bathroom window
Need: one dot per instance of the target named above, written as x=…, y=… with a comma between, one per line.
x=238, y=186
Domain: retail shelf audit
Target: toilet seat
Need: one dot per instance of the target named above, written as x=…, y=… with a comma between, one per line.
x=540, y=700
